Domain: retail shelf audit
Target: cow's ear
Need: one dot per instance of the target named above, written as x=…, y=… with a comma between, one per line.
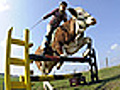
x=73, y=12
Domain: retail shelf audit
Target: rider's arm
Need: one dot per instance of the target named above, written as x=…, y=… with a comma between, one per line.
x=50, y=14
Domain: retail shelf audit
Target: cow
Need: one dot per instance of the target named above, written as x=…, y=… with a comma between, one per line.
x=67, y=39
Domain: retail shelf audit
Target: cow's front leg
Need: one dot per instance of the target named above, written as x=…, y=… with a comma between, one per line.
x=88, y=41
x=78, y=38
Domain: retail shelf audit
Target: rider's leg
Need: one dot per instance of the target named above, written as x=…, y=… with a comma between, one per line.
x=48, y=36
x=50, y=30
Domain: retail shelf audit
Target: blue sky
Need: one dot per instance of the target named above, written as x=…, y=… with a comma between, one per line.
x=23, y=14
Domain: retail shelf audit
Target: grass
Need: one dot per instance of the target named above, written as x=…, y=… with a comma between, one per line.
x=109, y=80
x=1, y=83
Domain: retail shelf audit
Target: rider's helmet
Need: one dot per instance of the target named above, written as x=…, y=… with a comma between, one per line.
x=63, y=3
x=63, y=6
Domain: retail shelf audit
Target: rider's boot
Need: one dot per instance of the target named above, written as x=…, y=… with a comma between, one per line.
x=47, y=43
x=45, y=49
x=48, y=39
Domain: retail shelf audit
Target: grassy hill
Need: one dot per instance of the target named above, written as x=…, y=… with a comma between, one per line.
x=1, y=82
x=109, y=80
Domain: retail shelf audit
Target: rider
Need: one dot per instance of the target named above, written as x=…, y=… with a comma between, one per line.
x=58, y=14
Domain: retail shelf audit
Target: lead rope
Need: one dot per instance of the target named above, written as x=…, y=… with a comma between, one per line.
x=36, y=24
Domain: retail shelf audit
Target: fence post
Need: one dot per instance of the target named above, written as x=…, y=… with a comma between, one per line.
x=106, y=61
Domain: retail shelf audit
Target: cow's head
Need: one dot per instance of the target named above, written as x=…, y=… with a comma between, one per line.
x=82, y=18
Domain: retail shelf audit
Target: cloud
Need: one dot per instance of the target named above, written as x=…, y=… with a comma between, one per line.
x=114, y=49
x=114, y=46
x=4, y=5
x=114, y=54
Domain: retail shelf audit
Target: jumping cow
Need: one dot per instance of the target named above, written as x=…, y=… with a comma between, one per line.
x=68, y=39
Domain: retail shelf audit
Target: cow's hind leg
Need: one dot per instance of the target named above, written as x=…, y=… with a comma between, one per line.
x=58, y=48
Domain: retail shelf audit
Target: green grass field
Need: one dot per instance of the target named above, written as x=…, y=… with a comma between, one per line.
x=1, y=83
x=109, y=80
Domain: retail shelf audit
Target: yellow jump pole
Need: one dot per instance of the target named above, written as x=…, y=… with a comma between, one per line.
x=27, y=61
x=7, y=66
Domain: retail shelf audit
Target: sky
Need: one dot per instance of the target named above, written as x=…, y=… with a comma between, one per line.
x=22, y=14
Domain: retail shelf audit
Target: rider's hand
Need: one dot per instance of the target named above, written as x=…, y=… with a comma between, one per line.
x=44, y=18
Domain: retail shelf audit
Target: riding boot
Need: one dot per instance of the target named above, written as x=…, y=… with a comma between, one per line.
x=48, y=39
x=45, y=49
x=47, y=43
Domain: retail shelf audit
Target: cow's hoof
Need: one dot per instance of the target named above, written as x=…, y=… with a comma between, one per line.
x=58, y=68
x=47, y=71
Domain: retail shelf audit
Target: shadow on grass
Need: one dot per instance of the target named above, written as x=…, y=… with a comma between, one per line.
x=104, y=81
